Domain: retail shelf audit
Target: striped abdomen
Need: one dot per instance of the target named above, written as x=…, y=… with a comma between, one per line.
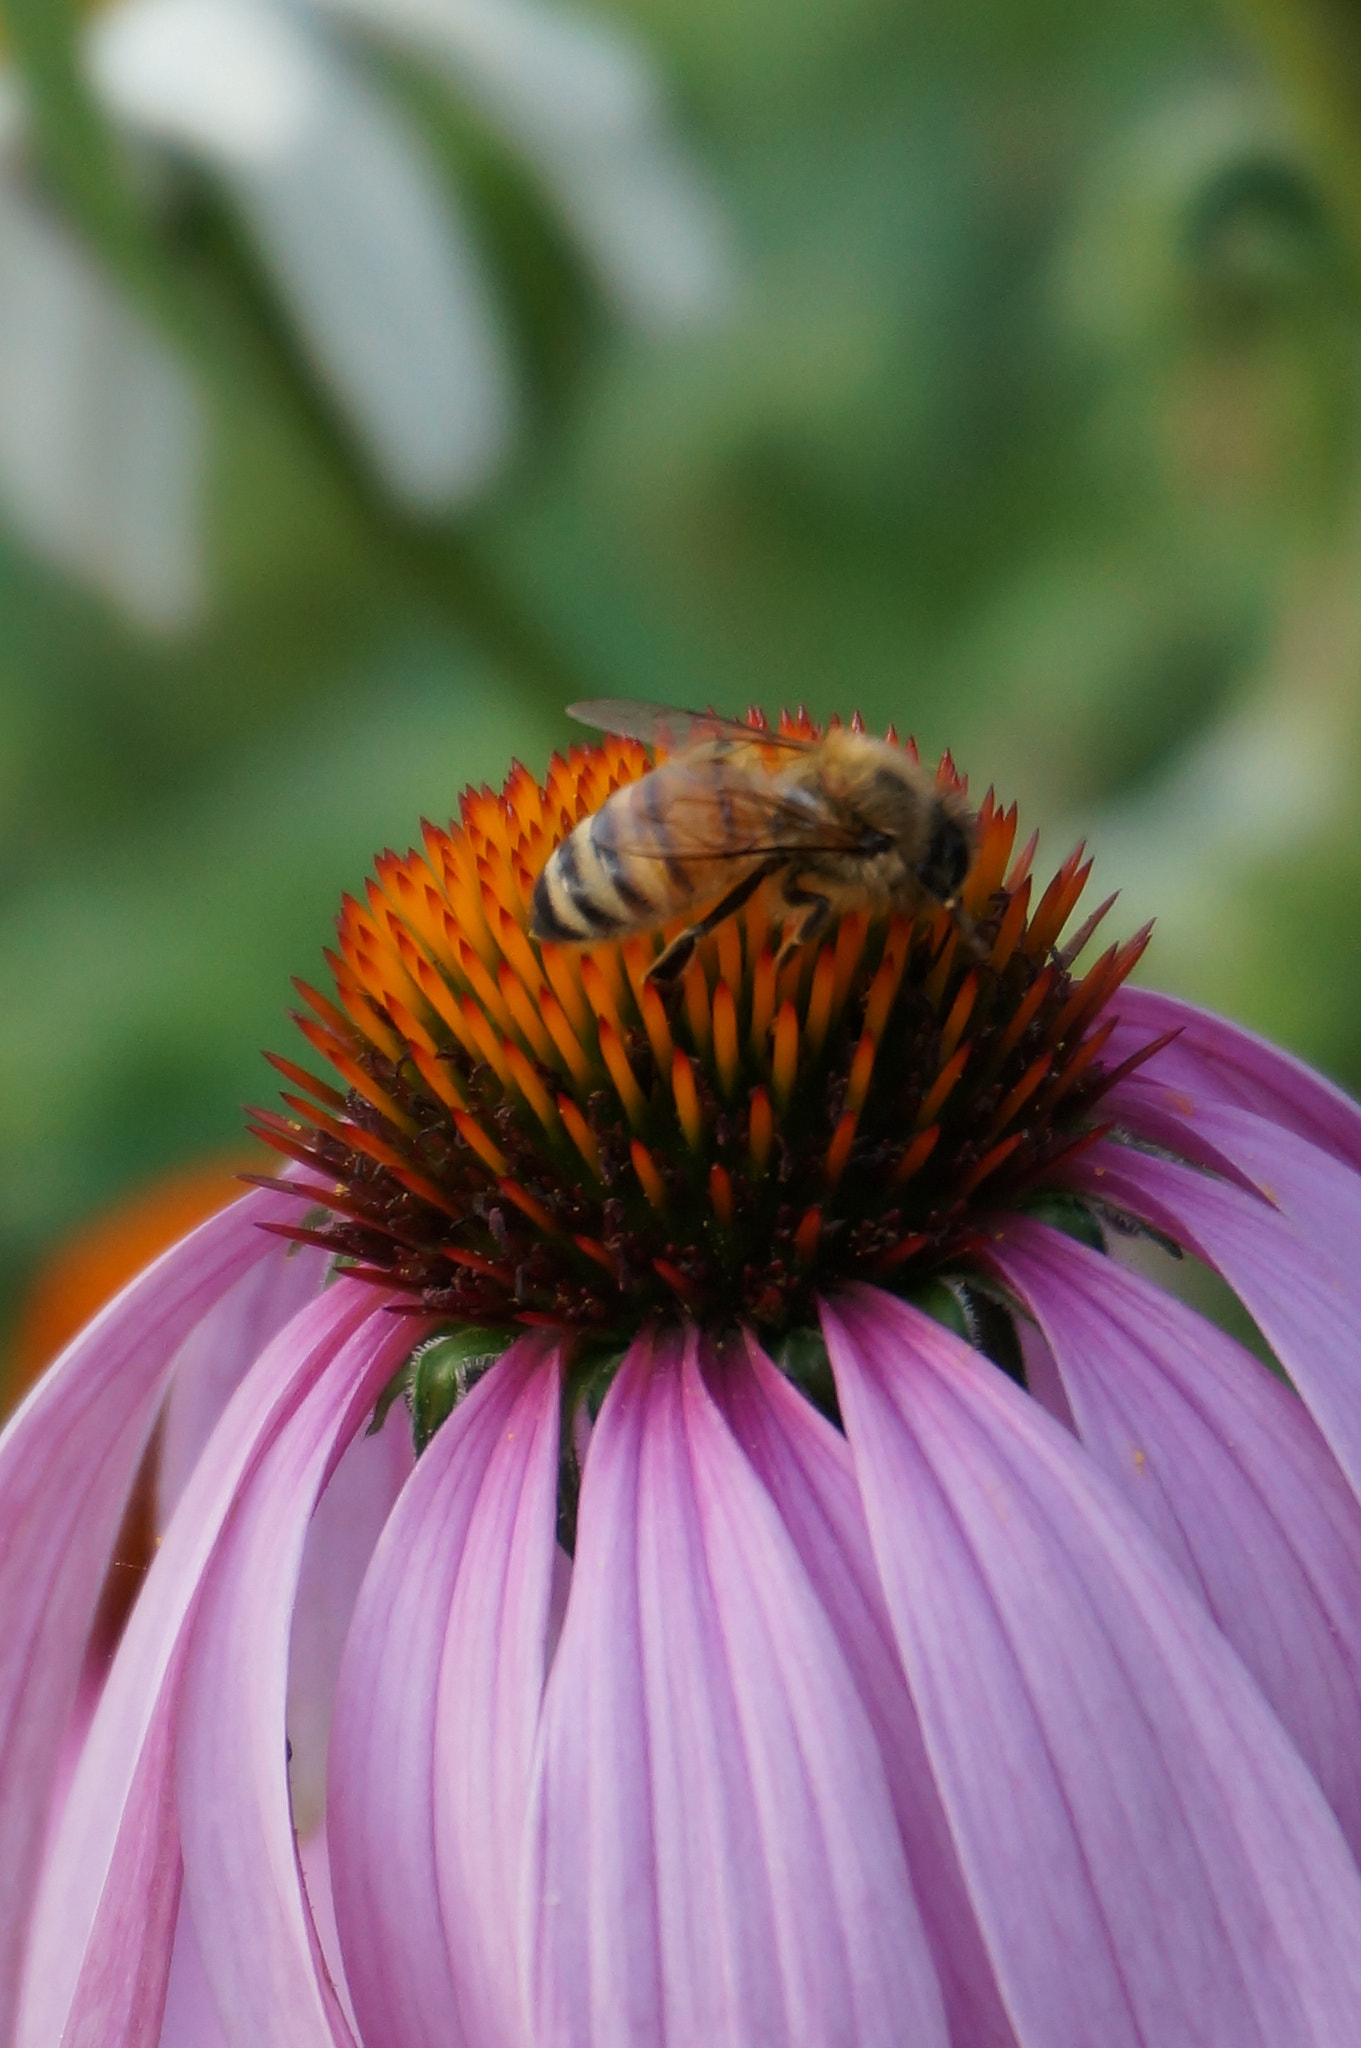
x=615, y=873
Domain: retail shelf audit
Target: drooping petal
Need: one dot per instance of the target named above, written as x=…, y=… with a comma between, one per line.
x=1118, y=1790
x=103, y=438
x=1042, y=1375
x=91, y=1953
x=255, y=1931
x=557, y=69
x=712, y=1852
x=1225, y=1467
x=366, y=243
x=581, y=103
x=314, y=1862
x=487, y=1714
x=805, y=1465
x=67, y=1462
x=350, y=1517
x=1317, y=1194
x=478, y=1500
x=190, y=2018
x=1213, y=1059
x=1291, y=1272
x=216, y=1356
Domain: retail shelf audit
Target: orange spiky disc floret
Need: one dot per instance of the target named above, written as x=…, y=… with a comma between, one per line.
x=523, y=1133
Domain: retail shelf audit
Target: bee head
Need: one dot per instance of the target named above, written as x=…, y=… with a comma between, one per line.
x=949, y=853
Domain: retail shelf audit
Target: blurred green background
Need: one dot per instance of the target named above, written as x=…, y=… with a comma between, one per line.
x=1017, y=402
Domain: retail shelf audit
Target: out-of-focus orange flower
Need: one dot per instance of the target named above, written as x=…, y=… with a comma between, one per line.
x=74, y=1285
x=93, y=1264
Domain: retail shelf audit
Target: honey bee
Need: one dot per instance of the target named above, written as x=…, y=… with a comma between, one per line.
x=842, y=823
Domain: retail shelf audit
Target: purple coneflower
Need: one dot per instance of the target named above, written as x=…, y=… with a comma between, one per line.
x=837, y=1603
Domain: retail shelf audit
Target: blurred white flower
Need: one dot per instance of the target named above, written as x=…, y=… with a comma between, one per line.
x=379, y=272
x=102, y=434
x=583, y=108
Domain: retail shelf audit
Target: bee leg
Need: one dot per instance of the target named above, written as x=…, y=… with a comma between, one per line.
x=671, y=963
x=970, y=944
x=816, y=916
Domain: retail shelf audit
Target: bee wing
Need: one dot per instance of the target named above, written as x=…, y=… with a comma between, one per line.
x=661, y=725
x=722, y=812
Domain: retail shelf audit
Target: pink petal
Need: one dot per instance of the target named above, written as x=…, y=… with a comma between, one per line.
x=1291, y=1270
x=190, y=2019
x=116, y=1837
x=486, y=1461
x=491, y=1685
x=256, y=1933
x=1120, y=1795
x=713, y=1856
x=216, y=1356
x=1219, y=1060
x=314, y=1862
x=122, y=1987
x=1318, y=1195
x=67, y=1463
x=805, y=1465
x=1226, y=1469
x=350, y=1517
x=1042, y=1375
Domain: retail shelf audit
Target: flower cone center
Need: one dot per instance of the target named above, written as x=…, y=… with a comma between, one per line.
x=520, y=1133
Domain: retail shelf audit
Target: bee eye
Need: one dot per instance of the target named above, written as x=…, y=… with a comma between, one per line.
x=946, y=860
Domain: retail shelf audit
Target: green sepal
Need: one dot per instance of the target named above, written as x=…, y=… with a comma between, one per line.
x=1068, y=1213
x=594, y=1363
x=398, y=1388
x=446, y=1368
x=979, y=1317
x=802, y=1357
x=314, y=1218
x=946, y=1305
